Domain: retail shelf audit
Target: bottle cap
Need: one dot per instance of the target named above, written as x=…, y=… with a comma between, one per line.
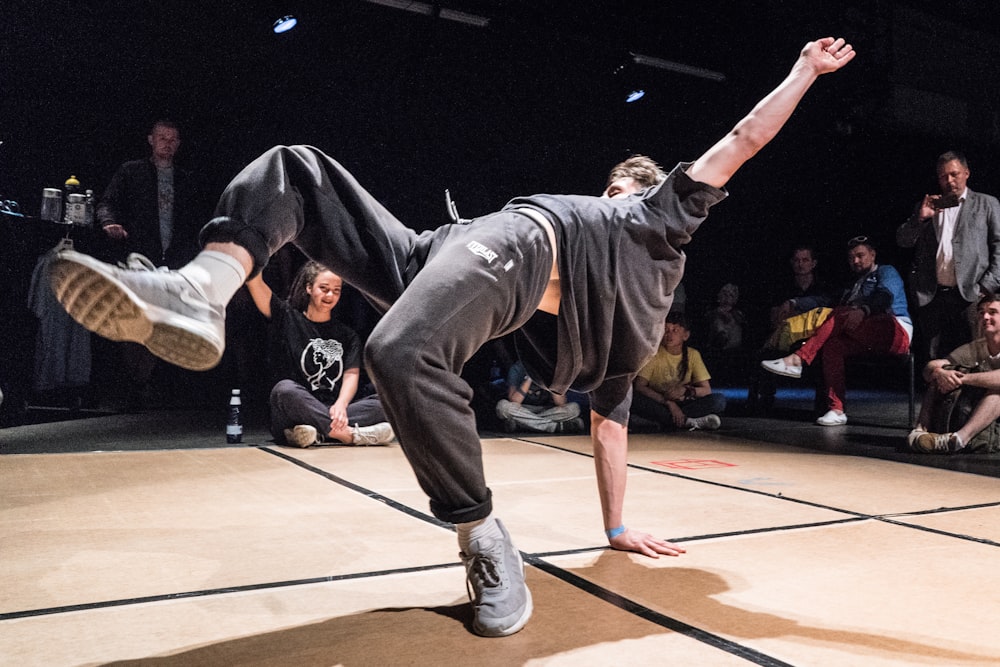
x=236, y=392
x=72, y=181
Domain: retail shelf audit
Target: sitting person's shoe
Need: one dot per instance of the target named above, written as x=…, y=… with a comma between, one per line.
x=706, y=423
x=832, y=418
x=574, y=425
x=936, y=443
x=159, y=309
x=376, y=434
x=501, y=601
x=779, y=367
x=301, y=435
x=911, y=438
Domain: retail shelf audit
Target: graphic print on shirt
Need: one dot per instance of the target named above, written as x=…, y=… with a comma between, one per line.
x=317, y=360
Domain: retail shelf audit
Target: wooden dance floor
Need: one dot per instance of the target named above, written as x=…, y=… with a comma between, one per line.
x=264, y=555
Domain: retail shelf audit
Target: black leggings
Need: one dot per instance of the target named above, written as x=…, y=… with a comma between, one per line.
x=444, y=293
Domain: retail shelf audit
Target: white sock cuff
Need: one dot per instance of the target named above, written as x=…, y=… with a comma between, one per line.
x=228, y=260
x=218, y=274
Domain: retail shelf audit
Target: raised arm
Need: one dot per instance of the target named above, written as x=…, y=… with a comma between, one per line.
x=761, y=125
x=261, y=294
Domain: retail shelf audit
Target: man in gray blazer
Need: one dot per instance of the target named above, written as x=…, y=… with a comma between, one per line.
x=956, y=236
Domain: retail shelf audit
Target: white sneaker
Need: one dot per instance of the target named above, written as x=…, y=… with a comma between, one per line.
x=376, y=434
x=706, y=423
x=832, y=418
x=779, y=367
x=159, y=309
x=301, y=435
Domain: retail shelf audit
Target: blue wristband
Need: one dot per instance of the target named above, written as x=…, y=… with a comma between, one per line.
x=615, y=532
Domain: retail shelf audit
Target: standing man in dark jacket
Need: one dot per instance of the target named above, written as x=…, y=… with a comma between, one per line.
x=956, y=236
x=150, y=206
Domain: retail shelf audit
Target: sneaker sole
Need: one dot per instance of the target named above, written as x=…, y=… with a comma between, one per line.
x=104, y=305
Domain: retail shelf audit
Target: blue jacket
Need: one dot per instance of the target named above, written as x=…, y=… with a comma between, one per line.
x=879, y=291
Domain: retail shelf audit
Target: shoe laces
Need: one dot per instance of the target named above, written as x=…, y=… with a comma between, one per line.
x=942, y=442
x=139, y=262
x=364, y=437
x=485, y=571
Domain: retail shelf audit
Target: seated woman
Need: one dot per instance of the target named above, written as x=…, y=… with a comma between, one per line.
x=315, y=362
x=673, y=389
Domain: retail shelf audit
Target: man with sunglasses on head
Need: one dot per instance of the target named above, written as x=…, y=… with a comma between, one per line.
x=871, y=318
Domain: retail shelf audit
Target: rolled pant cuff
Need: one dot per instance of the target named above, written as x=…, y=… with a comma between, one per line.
x=465, y=515
x=224, y=229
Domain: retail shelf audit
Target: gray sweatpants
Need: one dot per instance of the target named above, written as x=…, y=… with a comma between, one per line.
x=444, y=293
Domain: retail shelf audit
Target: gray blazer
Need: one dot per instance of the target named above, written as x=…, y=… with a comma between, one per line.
x=976, y=247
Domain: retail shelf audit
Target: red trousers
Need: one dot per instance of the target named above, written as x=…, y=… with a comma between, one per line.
x=845, y=335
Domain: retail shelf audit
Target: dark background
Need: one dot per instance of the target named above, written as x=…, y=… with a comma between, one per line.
x=414, y=104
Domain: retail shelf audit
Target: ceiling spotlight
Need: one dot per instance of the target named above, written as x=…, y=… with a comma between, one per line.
x=635, y=96
x=284, y=24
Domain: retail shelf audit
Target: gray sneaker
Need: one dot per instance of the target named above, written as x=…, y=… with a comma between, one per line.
x=706, y=423
x=376, y=434
x=157, y=308
x=301, y=435
x=501, y=602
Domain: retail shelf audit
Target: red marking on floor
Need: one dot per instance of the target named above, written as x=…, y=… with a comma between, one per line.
x=694, y=464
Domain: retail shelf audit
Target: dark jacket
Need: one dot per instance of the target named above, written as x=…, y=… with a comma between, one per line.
x=130, y=200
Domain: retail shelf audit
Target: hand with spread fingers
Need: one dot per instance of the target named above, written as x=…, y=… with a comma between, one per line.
x=645, y=544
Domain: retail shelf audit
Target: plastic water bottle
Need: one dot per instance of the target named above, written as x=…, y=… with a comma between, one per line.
x=234, y=427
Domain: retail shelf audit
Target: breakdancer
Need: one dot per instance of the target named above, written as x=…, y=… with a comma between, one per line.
x=582, y=283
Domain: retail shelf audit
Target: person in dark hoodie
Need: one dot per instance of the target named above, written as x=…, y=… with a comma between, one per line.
x=582, y=283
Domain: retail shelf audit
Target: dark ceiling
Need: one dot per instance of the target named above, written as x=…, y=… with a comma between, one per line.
x=414, y=104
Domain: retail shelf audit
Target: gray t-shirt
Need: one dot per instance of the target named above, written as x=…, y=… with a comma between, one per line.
x=619, y=263
x=975, y=355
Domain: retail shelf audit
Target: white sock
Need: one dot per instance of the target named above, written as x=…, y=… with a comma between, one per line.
x=474, y=530
x=958, y=439
x=218, y=274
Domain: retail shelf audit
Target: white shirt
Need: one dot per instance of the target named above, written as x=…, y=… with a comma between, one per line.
x=944, y=225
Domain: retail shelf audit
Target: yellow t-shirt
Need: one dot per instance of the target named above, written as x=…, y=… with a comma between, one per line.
x=662, y=371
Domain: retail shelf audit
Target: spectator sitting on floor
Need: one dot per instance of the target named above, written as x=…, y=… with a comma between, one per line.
x=871, y=318
x=673, y=388
x=725, y=321
x=975, y=365
x=315, y=361
x=532, y=408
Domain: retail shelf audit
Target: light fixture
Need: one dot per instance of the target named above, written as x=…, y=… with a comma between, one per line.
x=428, y=9
x=284, y=24
x=680, y=68
x=635, y=95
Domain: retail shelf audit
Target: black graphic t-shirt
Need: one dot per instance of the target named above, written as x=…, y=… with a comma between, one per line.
x=314, y=354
